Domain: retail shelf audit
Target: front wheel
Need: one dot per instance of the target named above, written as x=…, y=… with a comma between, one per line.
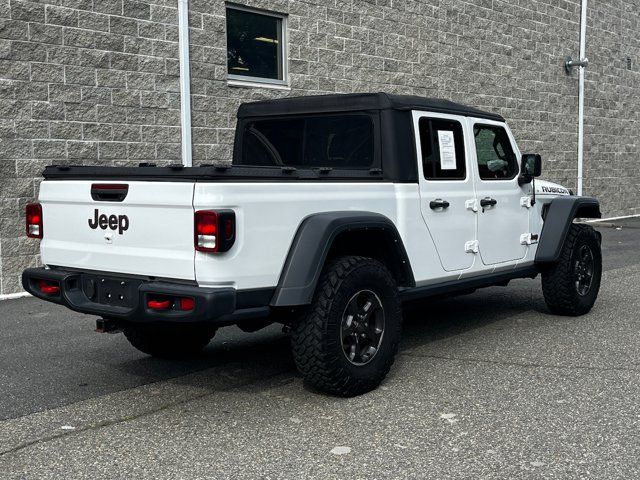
x=571, y=286
x=169, y=341
x=347, y=340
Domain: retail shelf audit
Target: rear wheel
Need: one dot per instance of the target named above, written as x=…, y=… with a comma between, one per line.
x=169, y=341
x=571, y=285
x=347, y=340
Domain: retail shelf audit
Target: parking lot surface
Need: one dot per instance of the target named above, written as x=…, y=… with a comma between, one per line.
x=487, y=385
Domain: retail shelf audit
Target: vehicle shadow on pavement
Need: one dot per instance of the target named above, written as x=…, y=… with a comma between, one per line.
x=437, y=319
x=250, y=350
x=424, y=322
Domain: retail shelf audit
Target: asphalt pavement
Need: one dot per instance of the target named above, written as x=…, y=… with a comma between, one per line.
x=487, y=385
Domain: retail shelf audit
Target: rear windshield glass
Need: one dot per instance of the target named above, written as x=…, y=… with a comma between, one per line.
x=337, y=141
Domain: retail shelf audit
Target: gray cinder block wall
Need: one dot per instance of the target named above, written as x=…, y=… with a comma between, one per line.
x=96, y=81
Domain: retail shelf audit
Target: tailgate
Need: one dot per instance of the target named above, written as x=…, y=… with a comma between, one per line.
x=90, y=226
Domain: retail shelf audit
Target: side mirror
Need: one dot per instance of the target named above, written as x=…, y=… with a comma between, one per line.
x=531, y=167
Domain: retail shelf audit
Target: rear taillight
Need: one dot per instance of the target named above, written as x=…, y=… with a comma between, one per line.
x=34, y=220
x=49, y=287
x=214, y=230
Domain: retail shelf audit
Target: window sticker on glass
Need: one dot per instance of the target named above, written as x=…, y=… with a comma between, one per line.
x=447, y=150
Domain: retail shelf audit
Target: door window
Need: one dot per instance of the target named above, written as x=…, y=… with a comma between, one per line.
x=442, y=145
x=496, y=158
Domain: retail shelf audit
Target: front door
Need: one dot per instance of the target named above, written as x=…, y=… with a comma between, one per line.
x=502, y=219
x=446, y=187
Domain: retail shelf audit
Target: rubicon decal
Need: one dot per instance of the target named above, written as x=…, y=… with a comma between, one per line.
x=114, y=222
x=559, y=190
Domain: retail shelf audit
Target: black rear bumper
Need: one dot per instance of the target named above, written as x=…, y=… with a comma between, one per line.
x=126, y=298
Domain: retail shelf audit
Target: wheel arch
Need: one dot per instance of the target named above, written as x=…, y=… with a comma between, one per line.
x=324, y=235
x=560, y=215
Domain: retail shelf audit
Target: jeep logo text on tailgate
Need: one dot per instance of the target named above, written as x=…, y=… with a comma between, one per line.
x=119, y=222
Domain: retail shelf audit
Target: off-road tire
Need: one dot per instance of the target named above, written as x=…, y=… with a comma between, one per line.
x=559, y=280
x=316, y=337
x=168, y=341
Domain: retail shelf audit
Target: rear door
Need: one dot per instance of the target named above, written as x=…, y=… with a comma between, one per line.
x=502, y=219
x=446, y=187
x=141, y=228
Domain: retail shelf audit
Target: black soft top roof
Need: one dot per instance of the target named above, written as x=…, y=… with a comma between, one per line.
x=356, y=102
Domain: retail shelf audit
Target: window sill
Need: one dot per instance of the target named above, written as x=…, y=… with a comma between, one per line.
x=250, y=84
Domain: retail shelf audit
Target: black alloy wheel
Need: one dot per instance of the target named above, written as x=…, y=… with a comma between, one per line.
x=584, y=269
x=362, y=327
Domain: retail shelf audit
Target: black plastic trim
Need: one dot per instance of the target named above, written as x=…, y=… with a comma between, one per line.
x=109, y=192
x=310, y=248
x=220, y=306
x=557, y=221
x=457, y=286
x=254, y=298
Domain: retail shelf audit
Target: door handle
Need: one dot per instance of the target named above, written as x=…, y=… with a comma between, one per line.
x=488, y=202
x=438, y=203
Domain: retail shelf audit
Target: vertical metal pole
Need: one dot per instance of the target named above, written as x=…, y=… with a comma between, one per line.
x=185, y=81
x=583, y=38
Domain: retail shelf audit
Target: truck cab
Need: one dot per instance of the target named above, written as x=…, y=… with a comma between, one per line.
x=469, y=190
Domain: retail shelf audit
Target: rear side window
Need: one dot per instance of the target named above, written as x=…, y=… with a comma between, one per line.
x=273, y=143
x=442, y=145
x=336, y=141
x=496, y=159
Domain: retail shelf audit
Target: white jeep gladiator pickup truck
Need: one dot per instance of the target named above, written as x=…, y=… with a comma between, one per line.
x=335, y=210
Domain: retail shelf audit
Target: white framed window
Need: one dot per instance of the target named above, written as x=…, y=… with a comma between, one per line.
x=256, y=47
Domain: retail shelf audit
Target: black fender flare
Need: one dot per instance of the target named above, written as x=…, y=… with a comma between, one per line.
x=562, y=211
x=311, y=245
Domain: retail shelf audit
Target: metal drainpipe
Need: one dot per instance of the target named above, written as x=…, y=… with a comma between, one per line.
x=584, y=61
x=185, y=81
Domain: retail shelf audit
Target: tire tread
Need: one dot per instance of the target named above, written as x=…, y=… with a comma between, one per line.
x=312, y=354
x=557, y=285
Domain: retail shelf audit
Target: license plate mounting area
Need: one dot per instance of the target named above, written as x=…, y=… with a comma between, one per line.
x=116, y=292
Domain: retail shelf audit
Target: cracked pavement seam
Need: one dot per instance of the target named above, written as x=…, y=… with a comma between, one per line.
x=116, y=421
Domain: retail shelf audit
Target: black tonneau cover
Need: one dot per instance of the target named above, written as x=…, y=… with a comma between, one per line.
x=357, y=102
x=233, y=173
